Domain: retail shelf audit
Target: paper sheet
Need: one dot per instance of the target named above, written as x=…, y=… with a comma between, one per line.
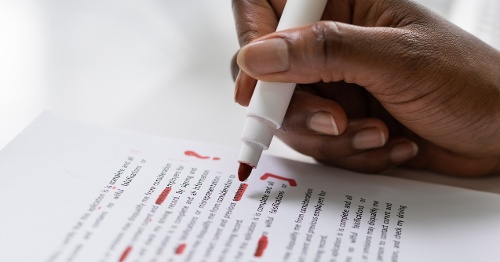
x=74, y=192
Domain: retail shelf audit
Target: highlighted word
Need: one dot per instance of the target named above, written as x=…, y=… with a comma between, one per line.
x=261, y=246
x=240, y=192
x=180, y=249
x=163, y=195
x=125, y=254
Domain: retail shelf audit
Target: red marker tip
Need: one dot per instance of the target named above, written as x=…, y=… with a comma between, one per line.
x=244, y=171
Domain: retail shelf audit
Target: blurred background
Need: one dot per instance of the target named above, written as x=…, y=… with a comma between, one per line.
x=159, y=67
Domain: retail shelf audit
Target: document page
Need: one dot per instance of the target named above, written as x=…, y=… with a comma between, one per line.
x=75, y=192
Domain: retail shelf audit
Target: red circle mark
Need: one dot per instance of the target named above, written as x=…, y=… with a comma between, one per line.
x=216, y=158
x=180, y=249
x=261, y=246
x=125, y=253
x=291, y=181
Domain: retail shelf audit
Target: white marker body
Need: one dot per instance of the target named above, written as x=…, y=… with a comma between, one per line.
x=270, y=100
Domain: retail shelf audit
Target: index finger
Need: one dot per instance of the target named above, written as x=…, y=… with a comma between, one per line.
x=256, y=18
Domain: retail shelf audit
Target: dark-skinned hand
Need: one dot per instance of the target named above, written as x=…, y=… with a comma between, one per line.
x=381, y=83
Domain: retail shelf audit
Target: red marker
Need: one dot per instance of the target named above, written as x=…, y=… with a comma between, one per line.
x=270, y=100
x=244, y=171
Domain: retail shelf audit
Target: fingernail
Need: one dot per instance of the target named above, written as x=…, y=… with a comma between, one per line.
x=237, y=86
x=264, y=57
x=324, y=123
x=403, y=151
x=368, y=138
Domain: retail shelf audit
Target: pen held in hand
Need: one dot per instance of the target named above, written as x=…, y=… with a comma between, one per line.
x=270, y=101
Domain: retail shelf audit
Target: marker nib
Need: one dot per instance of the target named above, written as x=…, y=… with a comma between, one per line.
x=244, y=171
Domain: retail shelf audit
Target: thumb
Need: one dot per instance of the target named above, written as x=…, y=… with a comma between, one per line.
x=330, y=51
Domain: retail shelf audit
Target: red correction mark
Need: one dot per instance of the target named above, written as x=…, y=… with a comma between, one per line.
x=125, y=253
x=261, y=246
x=240, y=192
x=194, y=154
x=180, y=249
x=163, y=195
x=289, y=180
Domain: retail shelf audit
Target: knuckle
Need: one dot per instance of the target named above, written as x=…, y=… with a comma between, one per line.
x=331, y=150
x=326, y=47
x=325, y=152
x=414, y=50
x=246, y=32
x=252, y=19
x=289, y=126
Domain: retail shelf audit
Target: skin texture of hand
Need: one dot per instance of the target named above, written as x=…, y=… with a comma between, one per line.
x=380, y=83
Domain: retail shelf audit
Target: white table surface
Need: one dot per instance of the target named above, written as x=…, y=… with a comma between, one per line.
x=157, y=67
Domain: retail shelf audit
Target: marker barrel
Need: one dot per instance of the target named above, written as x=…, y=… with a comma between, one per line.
x=270, y=100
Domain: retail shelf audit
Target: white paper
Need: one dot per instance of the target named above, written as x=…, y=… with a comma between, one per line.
x=74, y=192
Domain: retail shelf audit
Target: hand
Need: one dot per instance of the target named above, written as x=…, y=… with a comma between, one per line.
x=380, y=83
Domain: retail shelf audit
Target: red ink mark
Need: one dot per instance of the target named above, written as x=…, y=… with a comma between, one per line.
x=261, y=246
x=240, y=192
x=194, y=154
x=125, y=253
x=163, y=195
x=289, y=180
x=113, y=187
x=180, y=249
